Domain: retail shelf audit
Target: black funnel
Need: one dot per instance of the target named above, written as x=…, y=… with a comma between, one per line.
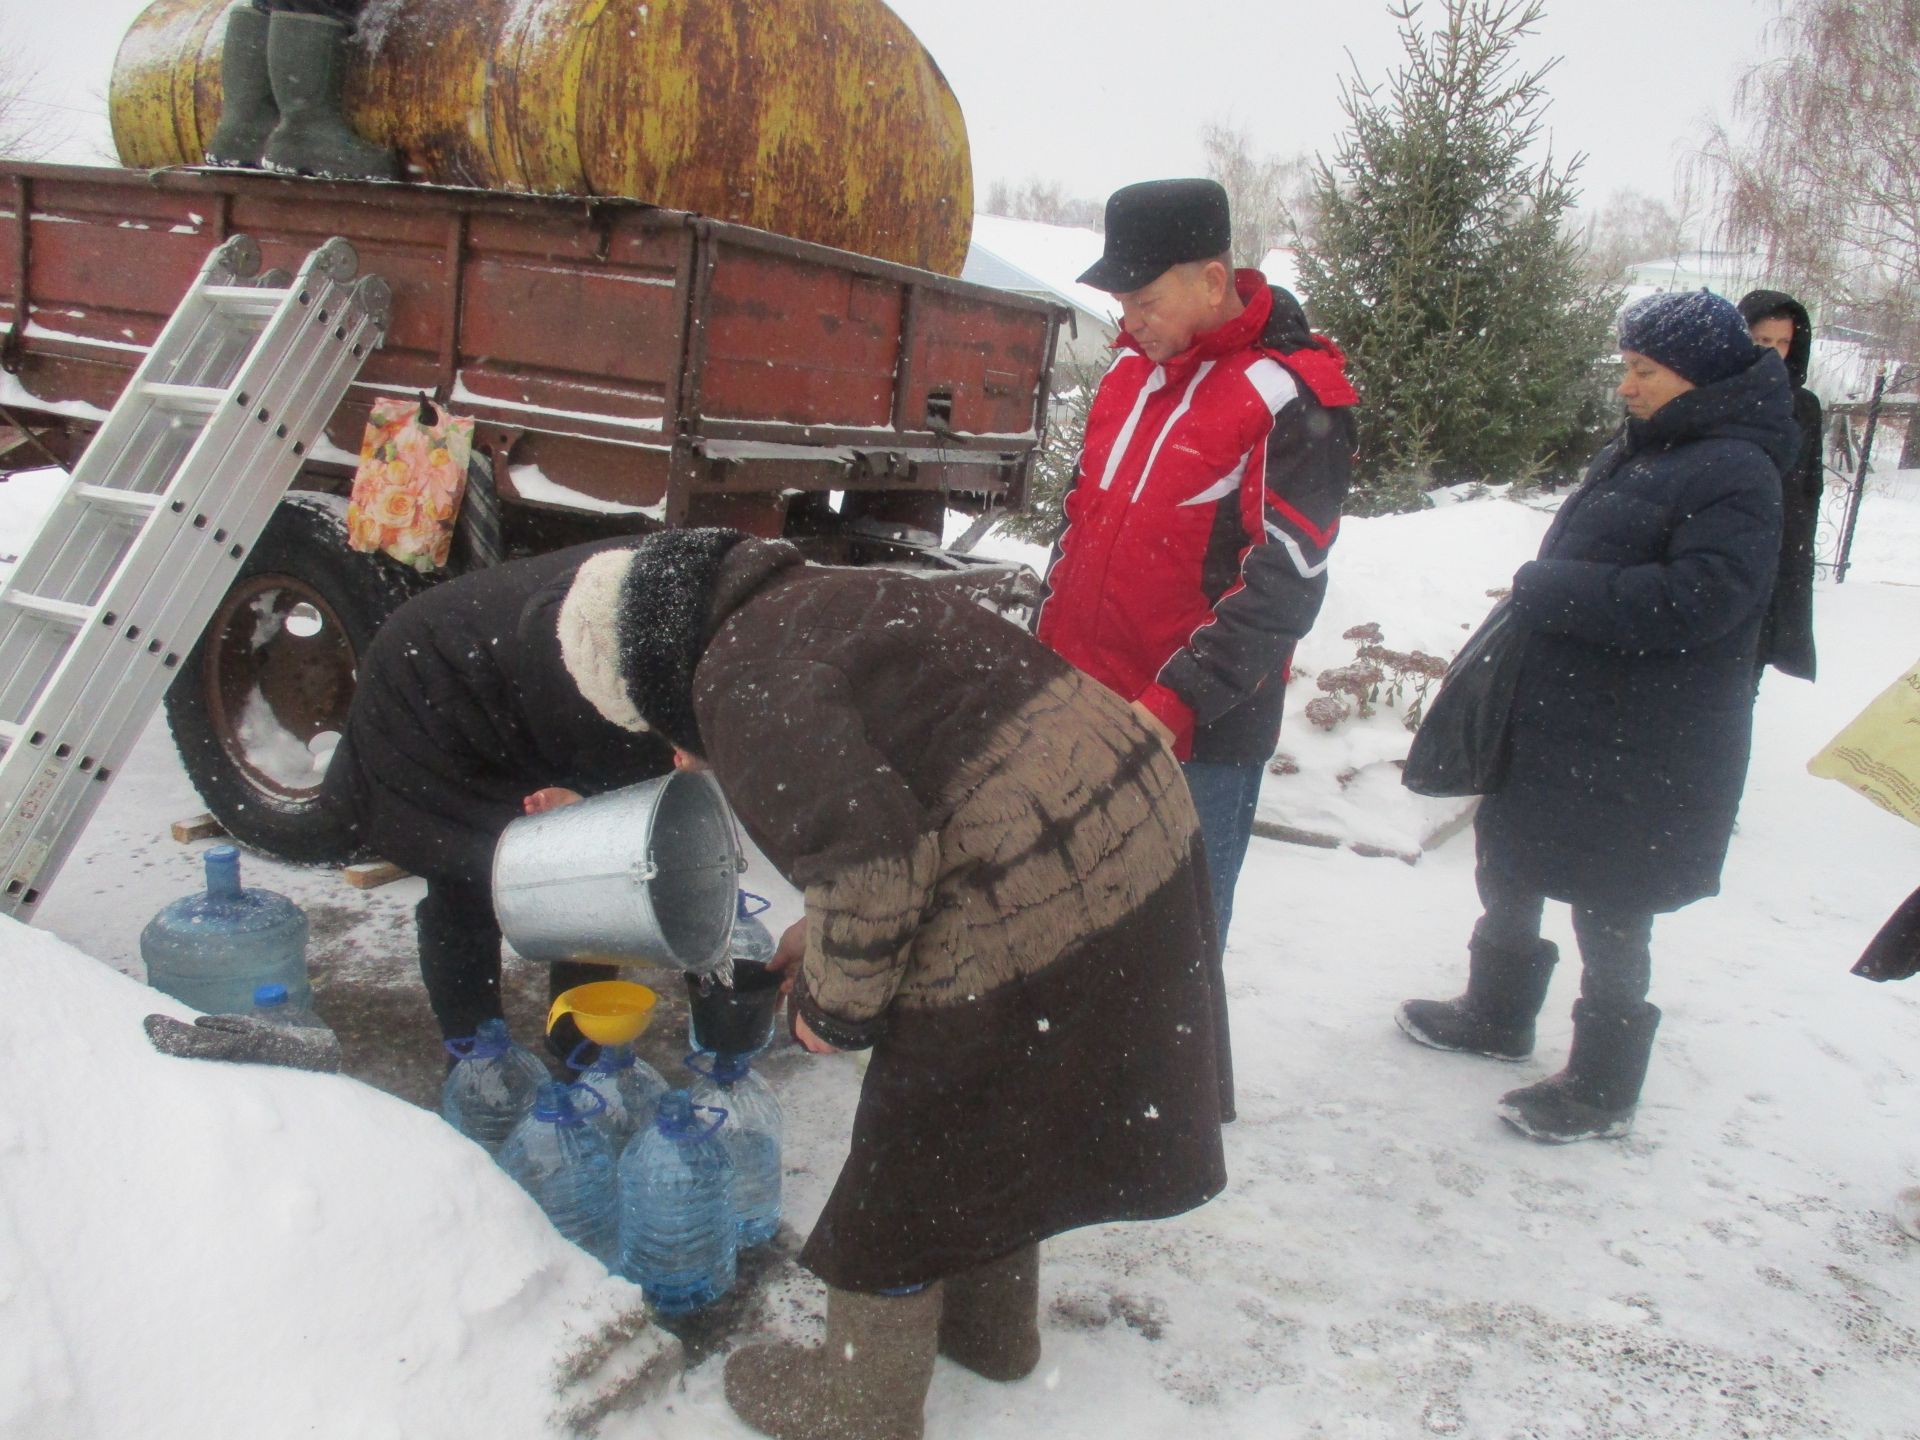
x=736, y=1021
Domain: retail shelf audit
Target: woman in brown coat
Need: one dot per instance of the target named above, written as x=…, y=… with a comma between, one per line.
x=1005, y=899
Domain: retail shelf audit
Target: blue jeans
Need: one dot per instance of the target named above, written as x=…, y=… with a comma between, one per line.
x=1224, y=796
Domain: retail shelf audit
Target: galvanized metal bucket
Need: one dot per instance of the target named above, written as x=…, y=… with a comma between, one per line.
x=647, y=874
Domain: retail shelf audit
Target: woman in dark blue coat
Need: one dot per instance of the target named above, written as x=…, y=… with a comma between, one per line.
x=1632, y=717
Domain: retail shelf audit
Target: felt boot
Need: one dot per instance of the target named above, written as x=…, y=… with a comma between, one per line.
x=1505, y=990
x=1594, y=1097
x=990, y=1320
x=247, y=111
x=306, y=63
x=868, y=1382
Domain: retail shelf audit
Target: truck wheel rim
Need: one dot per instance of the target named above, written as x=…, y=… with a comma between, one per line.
x=278, y=677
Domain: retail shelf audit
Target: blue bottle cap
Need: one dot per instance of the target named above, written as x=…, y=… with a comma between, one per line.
x=675, y=1114
x=553, y=1102
x=268, y=995
x=223, y=871
x=612, y=1059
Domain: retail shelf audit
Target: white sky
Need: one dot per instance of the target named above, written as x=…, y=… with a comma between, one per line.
x=1097, y=93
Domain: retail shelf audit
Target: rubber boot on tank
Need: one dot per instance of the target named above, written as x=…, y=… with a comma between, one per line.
x=868, y=1382
x=247, y=111
x=1505, y=990
x=1594, y=1097
x=306, y=61
x=990, y=1319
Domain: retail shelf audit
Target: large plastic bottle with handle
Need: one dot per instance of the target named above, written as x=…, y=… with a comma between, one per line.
x=561, y=1159
x=752, y=941
x=753, y=1134
x=678, y=1240
x=629, y=1089
x=492, y=1085
x=214, y=948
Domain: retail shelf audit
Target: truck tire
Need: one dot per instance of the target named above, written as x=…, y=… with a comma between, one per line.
x=263, y=695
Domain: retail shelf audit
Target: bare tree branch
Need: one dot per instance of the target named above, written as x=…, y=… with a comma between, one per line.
x=1819, y=171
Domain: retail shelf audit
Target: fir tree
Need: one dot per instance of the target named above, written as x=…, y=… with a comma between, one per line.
x=1440, y=257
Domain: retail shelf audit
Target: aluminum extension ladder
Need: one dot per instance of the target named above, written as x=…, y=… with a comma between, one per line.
x=158, y=515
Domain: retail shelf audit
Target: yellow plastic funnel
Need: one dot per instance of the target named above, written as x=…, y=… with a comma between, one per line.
x=608, y=1012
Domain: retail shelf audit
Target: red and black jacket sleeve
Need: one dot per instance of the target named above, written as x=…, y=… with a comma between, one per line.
x=1267, y=566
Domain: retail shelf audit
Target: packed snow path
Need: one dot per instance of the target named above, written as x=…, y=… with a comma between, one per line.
x=1388, y=1261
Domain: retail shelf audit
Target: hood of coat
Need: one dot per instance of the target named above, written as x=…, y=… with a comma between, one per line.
x=1755, y=405
x=1315, y=360
x=637, y=620
x=1756, y=305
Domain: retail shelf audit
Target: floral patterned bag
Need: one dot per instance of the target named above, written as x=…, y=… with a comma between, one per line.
x=412, y=477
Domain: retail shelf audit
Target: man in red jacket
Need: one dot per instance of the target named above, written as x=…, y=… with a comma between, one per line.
x=1217, y=456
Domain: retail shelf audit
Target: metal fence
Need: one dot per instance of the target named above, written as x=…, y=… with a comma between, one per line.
x=1854, y=430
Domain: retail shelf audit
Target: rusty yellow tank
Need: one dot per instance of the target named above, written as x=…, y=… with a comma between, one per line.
x=824, y=119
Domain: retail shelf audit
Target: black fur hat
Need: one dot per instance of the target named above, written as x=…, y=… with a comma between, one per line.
x=634, y=626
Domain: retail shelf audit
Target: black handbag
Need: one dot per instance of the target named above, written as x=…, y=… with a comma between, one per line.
x=1895, y=951
x=1462, y=743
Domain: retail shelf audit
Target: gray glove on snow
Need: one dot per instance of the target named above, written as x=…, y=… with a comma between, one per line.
x=242, y=1038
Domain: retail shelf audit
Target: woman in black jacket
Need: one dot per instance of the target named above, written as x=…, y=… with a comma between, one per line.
x=463, y=713
x=1632, y=715
x=1777, y=320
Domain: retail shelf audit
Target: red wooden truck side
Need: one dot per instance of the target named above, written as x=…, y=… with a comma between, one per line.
x=627, y=367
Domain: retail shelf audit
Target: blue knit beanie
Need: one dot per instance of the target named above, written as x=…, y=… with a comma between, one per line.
x=1697, y=335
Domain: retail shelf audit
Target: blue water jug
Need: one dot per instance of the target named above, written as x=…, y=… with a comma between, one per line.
x=752, y=941
x=561, y=1159
x=677, y=1236
x=629, y=1089
x=492, y=1085
x=753, y=1133
x=214, y=949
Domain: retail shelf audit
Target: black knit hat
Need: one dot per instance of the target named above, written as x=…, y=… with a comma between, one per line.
x=1697, y=335
x=1157, y=224
x=634, y=626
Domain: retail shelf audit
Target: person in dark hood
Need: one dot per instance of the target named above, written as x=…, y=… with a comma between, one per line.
x=1632, y=714
x=1005, y=900
x=1779, y=322
x=463, y=719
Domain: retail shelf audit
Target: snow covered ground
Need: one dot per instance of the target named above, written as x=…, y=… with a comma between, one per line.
x=197, y=1251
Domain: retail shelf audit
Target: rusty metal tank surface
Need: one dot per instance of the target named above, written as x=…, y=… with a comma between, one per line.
x=823, y=119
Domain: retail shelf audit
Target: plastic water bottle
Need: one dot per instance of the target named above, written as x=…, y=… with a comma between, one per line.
x=492, y=1085
x=563, y=1161
x=214, y=948
x=629, y=1089
x=272, y=1004
x=677, y=1236
x=753, y=1133
x=752, y=941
